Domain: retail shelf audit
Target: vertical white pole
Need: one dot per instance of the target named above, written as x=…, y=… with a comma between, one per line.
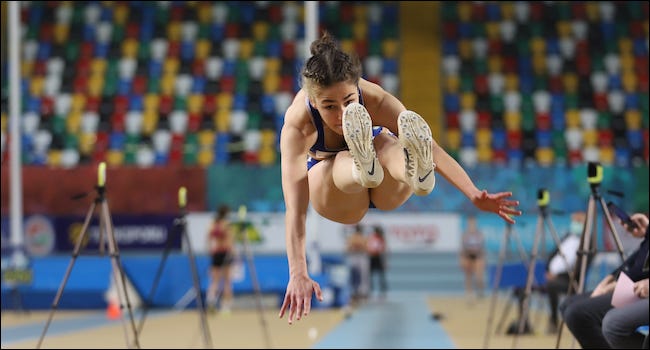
x=15, y=179
x=311, y=24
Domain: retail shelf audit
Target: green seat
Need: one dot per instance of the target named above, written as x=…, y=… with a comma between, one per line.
x=496, y=103
x=118, y=33
x=540, y=82
x=234, y=12
x=191, y=149
x=523, y=47
x=570, y=101
x=450, y=11
x=144, y=50
x=203, y=31
x=57, y=125
x=480, y=65
x=153, y=85
x=180, y=103
x=254, y=121
x=259, y=48
x=345, y=31
x=466, y=83
x=71, y=141
x=563, y=11
x=72, y=51
x=374, y=47
x=603, y=120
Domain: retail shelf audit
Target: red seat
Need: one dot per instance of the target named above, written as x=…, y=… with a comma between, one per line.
x=555, y=84
x=198, y=67
x=117, y=121
x=600, y=101
x=166, y=104
x=450, y=30
x=133, y=30
x=494, y=47
x=173, y=48
x=87, y=50
x=92, y=103
x=139, y=85
x=514, y=139
x=452, y=120
x=605, y=137
x=484, y=119
x=209, y=104
x=121, y=103
x=543, y=121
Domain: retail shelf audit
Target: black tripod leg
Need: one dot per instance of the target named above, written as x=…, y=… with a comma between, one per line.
x=75, y=253
x=197, y=286
x=118, y=270
x=156, y=280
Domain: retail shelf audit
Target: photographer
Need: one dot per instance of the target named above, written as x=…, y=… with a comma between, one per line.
x=584, y=313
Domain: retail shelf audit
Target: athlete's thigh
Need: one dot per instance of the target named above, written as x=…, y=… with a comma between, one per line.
x=391, y=194
x=329, y=201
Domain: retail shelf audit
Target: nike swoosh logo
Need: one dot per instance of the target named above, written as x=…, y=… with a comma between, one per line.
x=421, y=179
x=372, y=171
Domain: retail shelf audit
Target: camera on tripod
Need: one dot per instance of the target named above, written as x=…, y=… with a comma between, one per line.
x=543, y=197
x=594, y=173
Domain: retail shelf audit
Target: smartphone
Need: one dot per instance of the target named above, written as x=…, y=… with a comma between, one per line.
x=621, y=214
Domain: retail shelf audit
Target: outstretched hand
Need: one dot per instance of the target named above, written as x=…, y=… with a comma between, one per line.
x=298, y=297
x=498, y=203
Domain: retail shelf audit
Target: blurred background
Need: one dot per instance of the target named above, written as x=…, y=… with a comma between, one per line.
x=192, y=94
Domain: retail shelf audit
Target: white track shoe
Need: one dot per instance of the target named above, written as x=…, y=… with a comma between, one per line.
x=357, y=131
x=415, y=136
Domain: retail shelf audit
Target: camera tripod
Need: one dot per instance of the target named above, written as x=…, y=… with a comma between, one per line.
x=180, y=228
x=105, y=226
x=588, y=238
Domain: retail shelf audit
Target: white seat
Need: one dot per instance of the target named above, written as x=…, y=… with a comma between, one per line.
x=230, y=48
x=91, y=13
x=612, y=63
x=579, y=29
x=63, y=14
x=467, y=120
x=542, y=101
x=390, y=82
x=30, y=48
x=588, y=118
x=238, y=121
x=591, y=154
x=599, y=81
x=468, y=156
x=126, y=68
x=282, y=102
x=55, y=65
x=219, y=12
x=373, y=65
x=554, y=64
x=69, y=158
x=512, y=101
x=159, y=47
x=213, y=67
x=522, y=11
x=31, y=121
x=496, y=83
x=289, y=30
x=178, y=122
x=145, y=156
x=133, y=122
x=479, y=47
x=508, y=30
x=252, y=140
x=183, y=84
x=62, y=104
x=104, y=32
x=257, y=67
x=290, y=11
x=567, y=47
x=42, y=141
x=374, y=12
x=451, y=65
x=161, y=141
x=189, y=29
x=616, y=101
x=89, y=122
x=607, y=11
x=573, y=138
x=52, y=85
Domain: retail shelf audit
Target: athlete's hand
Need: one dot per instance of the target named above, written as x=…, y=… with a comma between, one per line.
x=497, y=203
x=298, y=297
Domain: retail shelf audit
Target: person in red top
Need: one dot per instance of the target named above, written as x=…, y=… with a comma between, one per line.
x=221, y=245
x=377, y=254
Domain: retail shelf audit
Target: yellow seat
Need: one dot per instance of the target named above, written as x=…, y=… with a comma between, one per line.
x=512, y=120
x=267, y=138
x=484, y=154
x=87, y=143
x=360, y=30
x=167, y=84
x=633, y=119
x=222, y=120
x=590, y=137
x=495, y=64
x=174, y=31
x=246, y=47
x=206, y=138
x=149, y=122
x=483, y=137
x=544, y=155
x=465, y=49
x=390, y=48
x=114, y=157
x=73, y=122
x=347, y=45
x=625, y=46
x=120, y=13
x=511, y=82
x=467, y=100
x=170, y=66
x=538, y=46
x=454, y=138
x=629, y=81
x=627, y=62
x=260, y=30
x=151, y=102
x=271, y=83
x=204, y=12
x=95, y=85
x=572, y=118
x=130, y=48
x=273, y=65
x=98, y=66
x=202, y=49
x=570, y=82
x=54, y=157
x=195, y=103
x=224, y=100
x=563, y=28
x=267, y=156
x=539, y=64
x=452, y=83
x=36, y=86
x=464, y=11
x=61, y=32
x=78, y=102
x=205, y=157
x=26, y=68
x=607, y=155
x=507, y=10
x=592, y=11
x=492, y=30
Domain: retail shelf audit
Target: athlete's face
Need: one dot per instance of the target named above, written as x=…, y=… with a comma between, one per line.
x=331, y=102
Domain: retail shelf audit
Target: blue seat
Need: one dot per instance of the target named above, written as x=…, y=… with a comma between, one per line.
x=136, y=102
x=451, y=102
x=631, y=100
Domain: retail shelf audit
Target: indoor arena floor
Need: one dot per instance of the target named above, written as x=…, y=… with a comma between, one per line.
x=404, y=320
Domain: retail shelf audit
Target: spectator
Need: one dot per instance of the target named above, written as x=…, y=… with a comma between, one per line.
x=584, y=313
x=357, y=260
x=377, y=256
x=221, y=247
x=472, y=258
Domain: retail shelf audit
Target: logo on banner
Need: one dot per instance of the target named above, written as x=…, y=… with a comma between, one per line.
x=39, y=235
